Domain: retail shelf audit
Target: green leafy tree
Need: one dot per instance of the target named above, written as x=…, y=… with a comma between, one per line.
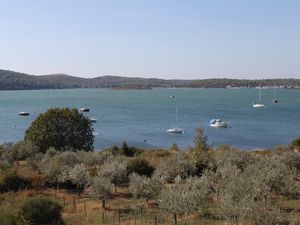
x=61, y=128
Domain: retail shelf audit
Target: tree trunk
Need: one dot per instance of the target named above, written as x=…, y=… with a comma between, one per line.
x=175, y=219
x=103, y=204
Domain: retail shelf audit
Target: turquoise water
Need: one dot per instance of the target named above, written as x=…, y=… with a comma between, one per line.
x=140, y=117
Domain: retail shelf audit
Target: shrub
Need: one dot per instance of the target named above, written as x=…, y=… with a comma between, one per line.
x=140, y=166
x=129, y=151
x=201, y=140
x=296, y=142
x=61, y=128
x=11, y=181
x=41, y=210
x=23, y=150
x=7, y=219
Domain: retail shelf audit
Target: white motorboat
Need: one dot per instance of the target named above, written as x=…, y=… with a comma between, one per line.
x=23, y=113
x=217, y=123
x=84, y=109
x=176, y=130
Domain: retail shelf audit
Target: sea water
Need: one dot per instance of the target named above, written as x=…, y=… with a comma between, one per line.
x=141, y=117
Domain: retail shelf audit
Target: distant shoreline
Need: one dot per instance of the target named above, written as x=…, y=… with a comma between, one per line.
x=10, y=80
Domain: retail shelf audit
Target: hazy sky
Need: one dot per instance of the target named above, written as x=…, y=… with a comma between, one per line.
x=152, y=38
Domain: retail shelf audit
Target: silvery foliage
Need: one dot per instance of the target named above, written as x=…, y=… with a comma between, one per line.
x=23, y=150
x=114, y=169
x=6, y=156
x=277, y=176
x=291, y=159
x=6, y=160
x=91, y=159
x=100, y=188
x=228, y=155
x=55, y=165
x=79, y=175
x=181, y=165
x=187, y=196
x=242, y=183
x=243, y=200
x=145, y=187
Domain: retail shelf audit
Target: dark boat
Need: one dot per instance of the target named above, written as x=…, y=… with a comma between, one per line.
x=23, y=113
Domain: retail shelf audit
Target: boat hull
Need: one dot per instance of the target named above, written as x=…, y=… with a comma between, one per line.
x=258, y=105
x=222, y=125
x=175, y=130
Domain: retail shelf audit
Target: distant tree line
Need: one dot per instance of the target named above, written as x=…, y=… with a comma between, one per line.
x=10, y=80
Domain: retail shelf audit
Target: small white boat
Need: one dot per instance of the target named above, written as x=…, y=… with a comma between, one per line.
x=84, y=109
x=217, y=123
x=176, y=130
x=258, y=104
x=23, y=113
x=93, y=120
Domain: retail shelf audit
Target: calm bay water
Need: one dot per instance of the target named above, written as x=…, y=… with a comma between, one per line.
x=140, y=117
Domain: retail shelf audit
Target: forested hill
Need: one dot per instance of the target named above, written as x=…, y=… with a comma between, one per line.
x=10, y=80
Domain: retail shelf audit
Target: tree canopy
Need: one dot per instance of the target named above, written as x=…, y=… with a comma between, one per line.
x=61, y=128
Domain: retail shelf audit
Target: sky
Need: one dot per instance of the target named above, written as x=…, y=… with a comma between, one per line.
x=180, y=39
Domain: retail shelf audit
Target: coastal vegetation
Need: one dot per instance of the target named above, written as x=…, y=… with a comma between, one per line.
x=199, y=185
x=10, y=80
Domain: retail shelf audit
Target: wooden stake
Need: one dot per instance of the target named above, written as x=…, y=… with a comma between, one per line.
x=74, y=204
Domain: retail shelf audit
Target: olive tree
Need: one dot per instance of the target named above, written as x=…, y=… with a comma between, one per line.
x=115, y=171
x=243, y=200
x=55, y=166
x=100, y=188
x=181, y=165
x=79, y=176
x=61, y=128
x=185, y=197
x=145, y=187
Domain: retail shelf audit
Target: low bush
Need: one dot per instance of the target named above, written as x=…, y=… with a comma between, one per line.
x=140, y=166
x=11, y=181
x=296, y=142
x=41, y=210
x=130, y=151
x=7, y=219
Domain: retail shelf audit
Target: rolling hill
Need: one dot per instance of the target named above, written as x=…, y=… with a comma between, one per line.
x=10, y=80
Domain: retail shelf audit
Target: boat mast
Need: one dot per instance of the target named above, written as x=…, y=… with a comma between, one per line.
x=177, y=117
